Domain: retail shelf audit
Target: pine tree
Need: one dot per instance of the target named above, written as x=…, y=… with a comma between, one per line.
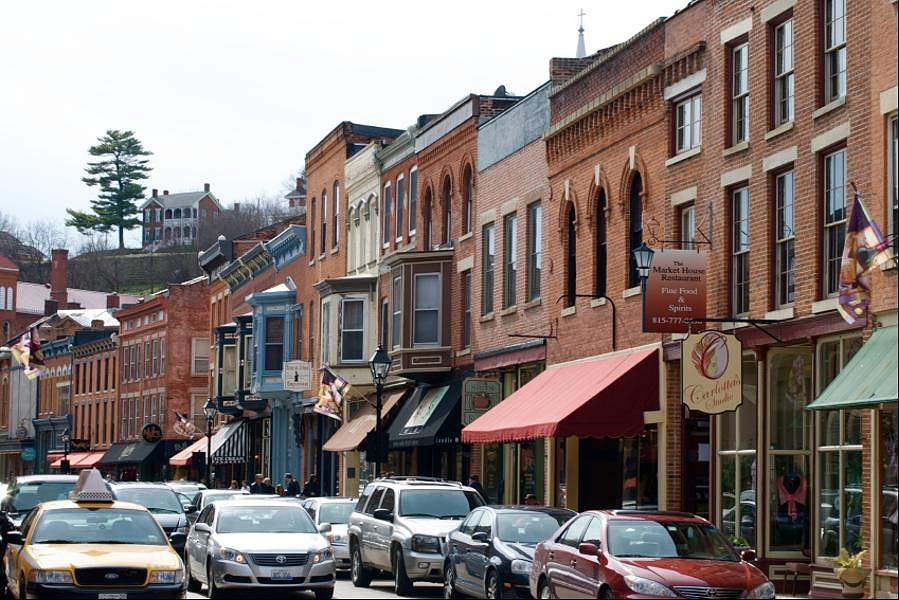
x=117, y=174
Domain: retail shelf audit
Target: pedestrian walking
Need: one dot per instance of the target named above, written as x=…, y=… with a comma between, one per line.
x=267, y=486
x=291, y=485
x=257, y=487
x=312, y=488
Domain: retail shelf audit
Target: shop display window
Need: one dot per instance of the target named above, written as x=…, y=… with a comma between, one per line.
x=889, y=484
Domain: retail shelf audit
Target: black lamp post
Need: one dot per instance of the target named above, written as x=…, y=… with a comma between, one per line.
x=643, y=259
x=379, y=363
x=66, y=440
x=209, y=410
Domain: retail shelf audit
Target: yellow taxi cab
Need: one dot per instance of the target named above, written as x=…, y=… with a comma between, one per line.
x=92, y=546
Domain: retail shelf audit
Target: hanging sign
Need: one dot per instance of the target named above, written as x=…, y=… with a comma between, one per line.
x=676, y=291
x=711, y=373
x=151, y=432
x=478, y=396
x=296, y=375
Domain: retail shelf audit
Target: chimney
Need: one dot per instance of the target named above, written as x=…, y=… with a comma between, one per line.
x=206, y=187
x=112, y=300
x=155, y=192
x=97, y=324
x=59, y=266
x=165, y=192
x=50, y=307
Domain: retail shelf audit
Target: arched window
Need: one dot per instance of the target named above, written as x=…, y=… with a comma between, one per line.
x=168, y=233
x=447, y=210
x=177, y=213
x=429, y=220
x=335, y=214
x=571, y=259
x=600, y=263
x=635, y=228
x=187, y=232
x=467, y=192
x=168, y=213
x=324, y=230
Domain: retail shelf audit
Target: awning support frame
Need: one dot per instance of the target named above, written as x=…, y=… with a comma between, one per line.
x=757, y=323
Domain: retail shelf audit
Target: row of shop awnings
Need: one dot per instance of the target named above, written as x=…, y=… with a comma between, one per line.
x=229, y=446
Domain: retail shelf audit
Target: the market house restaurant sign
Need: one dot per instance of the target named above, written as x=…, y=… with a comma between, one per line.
x=676, y=291
x=711, y=372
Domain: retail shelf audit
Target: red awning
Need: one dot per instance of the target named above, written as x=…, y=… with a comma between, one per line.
x=182, y=459
x=77, y=460
x=597, y=398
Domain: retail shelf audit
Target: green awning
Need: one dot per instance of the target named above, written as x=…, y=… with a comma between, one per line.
x=869, y=378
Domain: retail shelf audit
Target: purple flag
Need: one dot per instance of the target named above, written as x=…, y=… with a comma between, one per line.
x=864, y=249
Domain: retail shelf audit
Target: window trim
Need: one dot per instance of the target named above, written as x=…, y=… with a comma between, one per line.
x=892, y=153
x=323, y=242
x=836, y=228
x=488, y=270
x=510, y=259
x=837, y=50
x=780, y=243
x=534, y=250
x=325, y=317
x=465, y=284
x=396, y=312
x=740, y=96
x=194, y=356
x=400, y=202
x=742, y=254
x=341, y=329
x=687, y=243
x=438, y=308
x=387, y=200
x=695, y=121
x=264, y=343
x=786, y=75
x=335, y=210
x=413, y=201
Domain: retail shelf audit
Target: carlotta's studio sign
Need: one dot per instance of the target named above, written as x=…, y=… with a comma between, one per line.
x=711, y=372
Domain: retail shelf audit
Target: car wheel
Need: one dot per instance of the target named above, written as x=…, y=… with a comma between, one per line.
x=492, y=586
x=193, y=585
x=449, y=582
x=402, y=585
x=324, y=593
x=214, y=592
x=358, y=573
x=23, y=590
x=606, y=594
x=544, y=592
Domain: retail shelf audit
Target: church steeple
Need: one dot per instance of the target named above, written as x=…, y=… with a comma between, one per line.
x=581, y=50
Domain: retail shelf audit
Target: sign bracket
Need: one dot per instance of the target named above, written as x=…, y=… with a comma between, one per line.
x=757, y=323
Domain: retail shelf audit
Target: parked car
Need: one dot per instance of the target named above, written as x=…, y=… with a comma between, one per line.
x=204, y=498
x=258, y=545
x=336, y=512
x=161, y=501
x=92, y=546
x=399, y=525
x=642, y=554
x=491, y=554
x=186, y=487
x=30, y=490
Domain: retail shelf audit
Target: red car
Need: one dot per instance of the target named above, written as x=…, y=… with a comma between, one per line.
x=640, y=554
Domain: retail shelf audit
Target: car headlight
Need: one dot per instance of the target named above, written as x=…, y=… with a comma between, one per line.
x=340, y=540
x=766, y=590
x=167, y=577
x=648, y=587
x=521, y=567
x=426, y=543
x=322, y=555
x=232, y=555
x=50, y=577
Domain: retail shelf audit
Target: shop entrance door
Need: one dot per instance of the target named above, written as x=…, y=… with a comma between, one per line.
x=696, y=464
x=599, y=474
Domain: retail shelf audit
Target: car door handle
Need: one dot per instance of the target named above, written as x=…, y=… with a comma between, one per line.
x=573, y=563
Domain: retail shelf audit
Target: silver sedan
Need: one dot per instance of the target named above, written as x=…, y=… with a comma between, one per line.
x=335, y=512
x=259, y=544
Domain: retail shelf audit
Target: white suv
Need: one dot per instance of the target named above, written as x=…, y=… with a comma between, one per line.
x=399, y=525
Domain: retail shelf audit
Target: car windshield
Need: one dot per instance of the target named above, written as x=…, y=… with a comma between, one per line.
x=335, y=512
x=209, y=498
x=264, y=519
x=28, y=495
x=438, y=504
x=528, y=527
x=97, y=526
x=157, y=500
x=668, y=539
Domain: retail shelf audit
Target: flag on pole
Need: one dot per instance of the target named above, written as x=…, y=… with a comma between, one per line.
x=27, y=352
x=183, y=426
x=864, y=249
x=331, y=393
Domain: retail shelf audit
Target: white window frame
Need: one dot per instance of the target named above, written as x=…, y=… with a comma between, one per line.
x=195, y=344
x=783, y=73
x=687, y=219
x=739, y=56
x=740, y=251
x=325, y=316
x=386, y=202
x=834, y=233
x=834, y=50
x=399, y=200
x=784, y=233
x=396, y=312
x=335, y=226
x=413, y=200
x=343, y=302
x=688, y=123
x=438, y=309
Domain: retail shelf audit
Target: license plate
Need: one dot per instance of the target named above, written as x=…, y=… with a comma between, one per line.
x=281, y=574
x=112, y=596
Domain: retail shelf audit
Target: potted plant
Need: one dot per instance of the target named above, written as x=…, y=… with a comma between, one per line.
x=848, y=568
x=739, y=543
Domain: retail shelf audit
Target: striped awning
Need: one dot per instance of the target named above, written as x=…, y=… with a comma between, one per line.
x=229, y=444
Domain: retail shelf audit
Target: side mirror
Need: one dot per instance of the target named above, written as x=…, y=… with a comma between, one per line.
x=177, y=538
x=382, y=514
x=748, y=555
x=480, y=536
x=203, y=528
x=324, y=528
x=588, y=549
x=13, y=537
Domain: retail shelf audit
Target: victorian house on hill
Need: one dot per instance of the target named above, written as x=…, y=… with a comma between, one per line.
x=176, y=219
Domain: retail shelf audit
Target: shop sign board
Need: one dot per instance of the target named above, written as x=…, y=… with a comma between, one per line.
x=151, y=432
x=676, y=291
x=478, y=396
x=712, y=378
x=297, y=375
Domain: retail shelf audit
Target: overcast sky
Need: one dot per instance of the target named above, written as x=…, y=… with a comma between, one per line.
x=235, y=93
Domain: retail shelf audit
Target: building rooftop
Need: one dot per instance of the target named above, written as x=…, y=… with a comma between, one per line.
x=30, y=297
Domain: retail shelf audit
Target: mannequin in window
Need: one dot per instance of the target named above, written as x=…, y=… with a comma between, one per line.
x=791, y=510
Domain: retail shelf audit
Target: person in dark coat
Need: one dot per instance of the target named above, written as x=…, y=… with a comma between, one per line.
x=258, y=487
x=312, y=487
x=474, y=482
x=291, y=485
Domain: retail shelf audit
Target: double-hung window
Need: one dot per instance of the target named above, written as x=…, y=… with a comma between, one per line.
x=200, y=361
x=689, y=123
x=413, y=200
x=488, y=255
x=783, y=73
x=274, y=343
x=162, y=356
x=400, y=201
x=396, y=325
x=688, y=227
x=466, y=309
x=324, y=234
x=740, y=250
x=834, y=49
x=893, y=179
x=385, y=216
x=335, y=215
x=739, y=94
x=147, y=356
x=785, y=258
x=834, y=218
x=426, y=320
x=352, y=330
x=326, y=333
x=535, y=241
x=510, y=252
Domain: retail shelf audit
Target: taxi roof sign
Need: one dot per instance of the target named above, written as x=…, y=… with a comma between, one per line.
x=91, y=488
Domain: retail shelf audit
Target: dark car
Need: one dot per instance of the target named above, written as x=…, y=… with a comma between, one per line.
x=30, y=490
x=643, y=554
x=162, y=502
x=491, y=554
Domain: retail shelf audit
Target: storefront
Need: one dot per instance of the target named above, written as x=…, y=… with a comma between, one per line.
x=134, y=461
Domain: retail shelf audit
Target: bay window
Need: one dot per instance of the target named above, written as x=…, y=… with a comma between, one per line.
x=274, y=343
x=397, y=322
x=426, y=320
x=352, y=330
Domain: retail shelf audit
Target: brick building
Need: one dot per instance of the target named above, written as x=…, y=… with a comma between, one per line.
x=94, y=384
x=177, y=219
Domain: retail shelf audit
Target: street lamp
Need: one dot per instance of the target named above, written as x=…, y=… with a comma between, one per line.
x=643, y=259
x=66, y=439
x=209, y=410
x=379, y=363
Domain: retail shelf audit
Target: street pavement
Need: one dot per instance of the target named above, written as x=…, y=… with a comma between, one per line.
x=380, y=588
